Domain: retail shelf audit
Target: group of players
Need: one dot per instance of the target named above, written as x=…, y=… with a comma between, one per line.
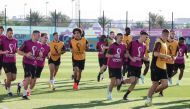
x=34, y=52
x=123, y=54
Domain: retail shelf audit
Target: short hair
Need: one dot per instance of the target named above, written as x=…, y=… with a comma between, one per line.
x=111, y=32
x=43, y=34
x=35, y=32
x=143, y=33
x=83, y=33
x=102, y=38
x=165, y=31
x=55, y=33
x=181, y=38
x=77, y=29
x=127, y=29
x=119, y=34
x=1, y=27
x=9, y=29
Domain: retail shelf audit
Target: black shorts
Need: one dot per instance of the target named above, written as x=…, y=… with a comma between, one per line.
x=170, y=69
x=102, y=61
x=146, y=62
x=1, y=62
x=179, y=66
x=38, y=71
x=134, y=71
x=29, y=70
x=125, y=67
x=79, y=63
x=157, y=74
x=115, y=72
x=56, y=63
x=10, y=68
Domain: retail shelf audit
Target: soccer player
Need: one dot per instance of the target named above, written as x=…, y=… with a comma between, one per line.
x=127, y=38
x=109, y=41
x=136, y=51
x=180, y=61
x=158, y=67
x=43, y=53
x=172, y=45
x=115, y=55
x=100, y=47
x=2, y=36
x=146, y=62
x=78, y=46
x=57, y=48
x=29, y=50
x=8, y=48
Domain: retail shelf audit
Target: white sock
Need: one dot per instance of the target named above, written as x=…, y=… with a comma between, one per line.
x=8, y=89
x=21, y=83
x=25, y=93
x=178, y=81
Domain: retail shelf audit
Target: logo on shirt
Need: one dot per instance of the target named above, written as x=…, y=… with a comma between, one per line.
x=11, y=47
x=180, y=53
x=34, y=48
x=139, y=51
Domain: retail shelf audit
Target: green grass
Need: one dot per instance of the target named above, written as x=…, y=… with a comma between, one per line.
x=91, y=94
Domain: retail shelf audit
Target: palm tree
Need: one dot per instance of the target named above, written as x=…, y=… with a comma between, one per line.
x=106, y=21
x=35, y=18
x=61, y=19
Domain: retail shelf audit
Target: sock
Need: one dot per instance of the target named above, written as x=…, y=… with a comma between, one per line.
x=51, y=82
x=25, y=93
x=178, y=81
x=77, y=81
x=128, y=92
x=8, y=89
x=21, y=84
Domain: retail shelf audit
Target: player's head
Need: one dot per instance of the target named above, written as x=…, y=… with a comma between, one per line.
x=143, y=36
x=36, y=35
x=165, y=34
x=83, y=33
x=102, y=38
x=112, y=35
x=127, y=31
x=55, y=36
x=181, y=40
x=9, y=32
x=1, y=30
x=77, y=32
x=172, y=34
x=44, y=37
x=119, y=37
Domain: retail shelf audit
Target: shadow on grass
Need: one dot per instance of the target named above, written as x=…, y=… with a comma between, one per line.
x=91, y=104
x=179, y=104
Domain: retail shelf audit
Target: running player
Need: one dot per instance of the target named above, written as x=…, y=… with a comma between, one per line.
x=57, y=48
x=100, y=47
x=180, y=61
x=29, y=50
x=146, y=62
x=126, y=40
x=172, y=45
x=8, y=48
x=158, y=67
x=115, y=55
x=78, y=46
x=2, y=36
x=109, y=41
x=136, y=51
x=40, y=63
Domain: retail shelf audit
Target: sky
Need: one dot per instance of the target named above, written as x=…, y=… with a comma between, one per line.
x=92, y=9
